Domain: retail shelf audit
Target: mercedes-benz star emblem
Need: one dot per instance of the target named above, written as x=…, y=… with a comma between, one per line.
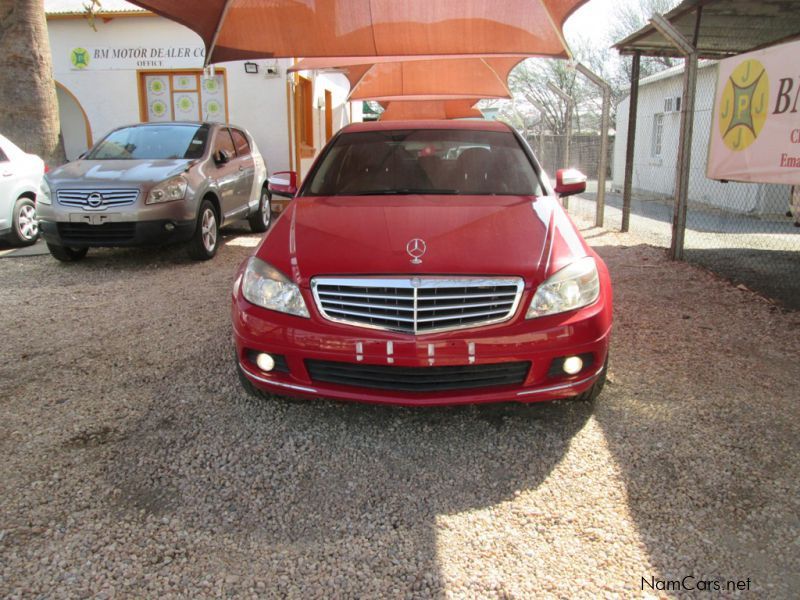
x=416, y=248
x=95, y=199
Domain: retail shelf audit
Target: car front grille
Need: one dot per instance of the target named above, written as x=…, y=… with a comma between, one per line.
x=417, y=305
x=107, y=233
x=417, y=379
x=97, y=199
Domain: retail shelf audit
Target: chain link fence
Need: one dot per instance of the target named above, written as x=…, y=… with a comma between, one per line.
x=746, y=232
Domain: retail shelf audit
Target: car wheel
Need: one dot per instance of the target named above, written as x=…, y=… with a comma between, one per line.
x=65, y=254
x=247, y=386
x=25, y=225
x=260, y=220
x=205, y=240
x=590, y=395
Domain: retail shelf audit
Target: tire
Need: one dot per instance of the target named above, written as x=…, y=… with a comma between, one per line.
x=260, y=220
x=205, y=241
x=590, y=395
x=25, y=227
x=66, y=254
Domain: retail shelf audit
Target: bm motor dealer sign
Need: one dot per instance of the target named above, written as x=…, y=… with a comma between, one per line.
x=755, y=135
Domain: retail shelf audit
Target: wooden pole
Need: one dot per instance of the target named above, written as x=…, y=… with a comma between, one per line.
x=633, y=109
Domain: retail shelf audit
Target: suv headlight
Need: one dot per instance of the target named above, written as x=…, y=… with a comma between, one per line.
x=265, y=286
x=169, y=190
x=44, y=196
x=574, y=286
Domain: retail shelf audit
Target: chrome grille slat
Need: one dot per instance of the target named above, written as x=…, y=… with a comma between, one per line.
x=79, y=198
x=417, y=305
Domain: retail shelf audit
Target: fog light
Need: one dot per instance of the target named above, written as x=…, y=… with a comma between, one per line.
x=169, y=226
x=265, y=362
x=572, y=365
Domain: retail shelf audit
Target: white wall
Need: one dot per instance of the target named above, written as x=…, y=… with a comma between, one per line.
x=110, y=97
x=657, y=175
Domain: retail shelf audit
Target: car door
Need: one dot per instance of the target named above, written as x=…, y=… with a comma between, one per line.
x=226, y=172
x=246, y=167
x=7, y=183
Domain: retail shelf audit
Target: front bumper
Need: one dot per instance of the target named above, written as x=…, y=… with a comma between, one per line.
x=116, y=234
x=537, y=341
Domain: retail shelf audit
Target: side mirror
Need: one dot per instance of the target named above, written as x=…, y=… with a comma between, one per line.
x=283, y=183
x=222, y=157
x=570, y=182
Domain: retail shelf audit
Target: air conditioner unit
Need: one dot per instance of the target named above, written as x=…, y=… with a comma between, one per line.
x=672, y=104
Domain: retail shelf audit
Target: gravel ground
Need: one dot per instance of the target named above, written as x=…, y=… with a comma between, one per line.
x=135, y=466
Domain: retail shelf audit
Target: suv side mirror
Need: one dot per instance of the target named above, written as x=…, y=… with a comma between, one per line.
x=222, y=156
x=570, y=182
x=283, y=183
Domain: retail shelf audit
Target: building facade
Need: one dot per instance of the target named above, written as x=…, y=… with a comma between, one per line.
x=656, y=148
x=131, y=66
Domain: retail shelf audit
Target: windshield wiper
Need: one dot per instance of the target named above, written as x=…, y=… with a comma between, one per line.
x=401, y=192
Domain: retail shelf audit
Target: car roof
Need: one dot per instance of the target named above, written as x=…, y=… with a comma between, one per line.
x=462, y=124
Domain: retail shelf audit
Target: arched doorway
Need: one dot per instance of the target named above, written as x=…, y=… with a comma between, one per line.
x=75, y=128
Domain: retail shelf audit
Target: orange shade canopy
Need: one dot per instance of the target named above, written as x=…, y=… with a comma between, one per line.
x=397, y=78
x=430, y=109
x=246, y=29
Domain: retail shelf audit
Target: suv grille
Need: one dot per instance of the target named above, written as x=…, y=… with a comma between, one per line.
x=417, y=304
x=418, y=379
x=107, y=233
x=97, y=199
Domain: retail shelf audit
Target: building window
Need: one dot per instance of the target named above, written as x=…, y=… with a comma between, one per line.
x=303, y=114
x=183, y=96
x=658, y=132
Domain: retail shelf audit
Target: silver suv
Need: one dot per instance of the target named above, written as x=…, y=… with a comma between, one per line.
x=153, y=184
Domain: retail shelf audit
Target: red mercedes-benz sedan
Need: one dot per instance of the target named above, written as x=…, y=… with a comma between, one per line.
x=425, y=263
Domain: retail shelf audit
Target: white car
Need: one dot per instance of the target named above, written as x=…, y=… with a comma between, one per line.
x=20, y=180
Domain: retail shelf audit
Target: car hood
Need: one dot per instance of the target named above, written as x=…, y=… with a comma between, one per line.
x=463, y=235
x=105, y=172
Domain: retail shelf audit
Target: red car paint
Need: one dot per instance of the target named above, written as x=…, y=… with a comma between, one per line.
x=466, y=235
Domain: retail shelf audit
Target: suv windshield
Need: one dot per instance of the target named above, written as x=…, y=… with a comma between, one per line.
x=152, y=142
x=424, y=161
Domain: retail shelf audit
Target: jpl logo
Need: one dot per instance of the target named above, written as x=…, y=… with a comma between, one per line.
x=744, y=105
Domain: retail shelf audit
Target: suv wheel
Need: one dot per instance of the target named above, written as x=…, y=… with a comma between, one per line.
x=66, y=254
x=260, y=220
x=25, y=230
x=205, y=241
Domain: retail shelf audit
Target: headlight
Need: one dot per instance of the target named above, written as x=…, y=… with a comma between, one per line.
x=167, y=191
x=263, y=285
x=572, y=287
x=44, y=197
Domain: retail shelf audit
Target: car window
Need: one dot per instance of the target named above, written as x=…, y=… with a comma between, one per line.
x=424, y=161
x=241, y=143
x=223, y=141
x=154, y=142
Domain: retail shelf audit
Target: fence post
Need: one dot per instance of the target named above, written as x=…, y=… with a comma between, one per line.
x=602, y=166
x=570, y=103
x=633, y=109
x=677, y=39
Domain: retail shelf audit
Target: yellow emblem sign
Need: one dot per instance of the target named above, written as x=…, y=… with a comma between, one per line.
x=744, y=105
x=79, y=58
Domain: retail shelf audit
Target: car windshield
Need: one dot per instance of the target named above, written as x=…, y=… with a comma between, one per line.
x=424, y=161
x=152, y=142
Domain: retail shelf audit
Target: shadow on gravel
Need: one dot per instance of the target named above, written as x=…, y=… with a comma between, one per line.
x=314, y=491
x=701, y=424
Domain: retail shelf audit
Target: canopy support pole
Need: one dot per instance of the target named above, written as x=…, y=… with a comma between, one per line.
x=633, y=109
x=602, y=163
x=677, y=39
x=568, y=134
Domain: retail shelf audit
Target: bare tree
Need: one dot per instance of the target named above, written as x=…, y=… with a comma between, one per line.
x=28, y=103
x=628, y=18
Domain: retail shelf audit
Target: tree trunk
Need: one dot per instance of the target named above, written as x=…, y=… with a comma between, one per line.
x=28, y=103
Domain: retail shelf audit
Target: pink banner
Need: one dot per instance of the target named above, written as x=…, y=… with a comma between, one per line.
x=755, y=135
